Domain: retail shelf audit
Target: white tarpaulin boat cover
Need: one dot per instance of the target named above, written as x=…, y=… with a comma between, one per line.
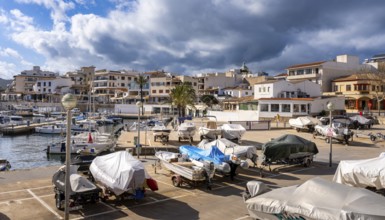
x=361, y=119
x=119, y=171
x=302, y=122
x=229, y=147
x=318, y=199
x=362, y=173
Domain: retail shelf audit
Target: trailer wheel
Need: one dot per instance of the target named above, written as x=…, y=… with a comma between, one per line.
x=58, y=200
x=176, y=181
x=307, y=163
x=373, y=138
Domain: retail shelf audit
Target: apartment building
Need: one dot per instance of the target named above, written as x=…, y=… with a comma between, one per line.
x=133, y=94
x=82, y=82
x=360, y=92
x=323, y=72
x=52, y=89
x=23, y=83
x=161, y=84
x=107, y=84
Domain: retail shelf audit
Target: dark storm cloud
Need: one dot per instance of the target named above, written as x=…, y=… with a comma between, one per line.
x=193, y=35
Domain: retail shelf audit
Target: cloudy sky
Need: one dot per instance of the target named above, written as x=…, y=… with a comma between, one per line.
x=185, y=36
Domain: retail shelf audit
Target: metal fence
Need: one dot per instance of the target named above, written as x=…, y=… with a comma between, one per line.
x=254, y=125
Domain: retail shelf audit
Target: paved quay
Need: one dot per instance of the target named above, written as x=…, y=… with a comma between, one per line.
x=28, y=194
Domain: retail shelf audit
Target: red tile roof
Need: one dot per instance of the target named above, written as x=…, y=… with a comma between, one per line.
x=306, y=65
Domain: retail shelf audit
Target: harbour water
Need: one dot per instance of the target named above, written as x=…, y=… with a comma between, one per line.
x=29, y=151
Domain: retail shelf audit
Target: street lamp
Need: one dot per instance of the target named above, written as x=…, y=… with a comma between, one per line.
x=139, y=104
x=330, y=107
x=69, y=102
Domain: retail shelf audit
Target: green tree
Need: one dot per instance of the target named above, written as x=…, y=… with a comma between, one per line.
x=141, y=81
x=209, y=100
x=182, y=96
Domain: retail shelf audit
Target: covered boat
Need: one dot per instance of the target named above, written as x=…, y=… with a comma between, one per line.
x=362, y=173
x=360, y=121
x=160, y=131
x=210, y=129
x=230, y=148
x=212, y=154
x=233, y=131
x=119, y=172
x=335, y=202
x=289, y=149
x=186, y=130
x=304, y=123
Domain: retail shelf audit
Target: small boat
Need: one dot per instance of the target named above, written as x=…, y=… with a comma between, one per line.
x=186, y=130
x=91, y=143
x=186, y=171
x=50, y=129
x=233, y=131
x=210, y=130
x=316, y=198
x=4, y=165
x=121, y=175
x=160, y=131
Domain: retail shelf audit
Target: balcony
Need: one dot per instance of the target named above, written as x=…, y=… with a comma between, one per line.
x=303, y=76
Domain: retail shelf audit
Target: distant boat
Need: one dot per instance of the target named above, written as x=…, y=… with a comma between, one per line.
x=50, y=129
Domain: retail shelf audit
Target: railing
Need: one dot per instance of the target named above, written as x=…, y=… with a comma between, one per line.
x=253, y=125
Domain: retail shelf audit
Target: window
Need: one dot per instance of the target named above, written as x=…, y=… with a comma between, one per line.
x=295, y=108
x=195, y=84
x=259, y=89
x=167, y=91
x=275, y=107
x=373, y=88
x=308, y=71
x=153, y=91
x=264, y=107
x=161, y=91
x=335, y=88
x=44, y=83
x=246, y=93
x=268, y=89
x=264, y=89
x=348, y=87
x=38, y=84
x=123, y=78
x=286, y=108
x=300, y=72
x=303, y=108
x=123, y=85
x=49, y=83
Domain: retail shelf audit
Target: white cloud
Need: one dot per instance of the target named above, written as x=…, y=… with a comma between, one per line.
x=7, y=70
x=58, y=8
x=8, y=52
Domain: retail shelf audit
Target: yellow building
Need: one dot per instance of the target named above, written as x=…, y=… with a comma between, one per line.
x=359, y=91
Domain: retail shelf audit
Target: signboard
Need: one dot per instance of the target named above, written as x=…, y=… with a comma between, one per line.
x=329, y=132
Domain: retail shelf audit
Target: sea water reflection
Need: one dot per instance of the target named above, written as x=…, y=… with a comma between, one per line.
x=29, y=151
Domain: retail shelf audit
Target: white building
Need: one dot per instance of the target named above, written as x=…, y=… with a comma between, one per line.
x=324, y=72
x=238, y=91
x=59, y=85
x=286, y=89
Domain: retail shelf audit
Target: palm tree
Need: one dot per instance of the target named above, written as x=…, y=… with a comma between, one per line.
x=141, y=81
x=209, y=100
x=183, y=95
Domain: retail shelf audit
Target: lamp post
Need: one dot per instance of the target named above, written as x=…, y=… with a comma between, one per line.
x=139, y=104
x=330, y=107
x=69, y=102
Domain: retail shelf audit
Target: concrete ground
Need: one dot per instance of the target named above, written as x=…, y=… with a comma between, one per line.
x=28, y=194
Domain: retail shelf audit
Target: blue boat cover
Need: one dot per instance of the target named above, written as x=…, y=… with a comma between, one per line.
x=212, y=154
